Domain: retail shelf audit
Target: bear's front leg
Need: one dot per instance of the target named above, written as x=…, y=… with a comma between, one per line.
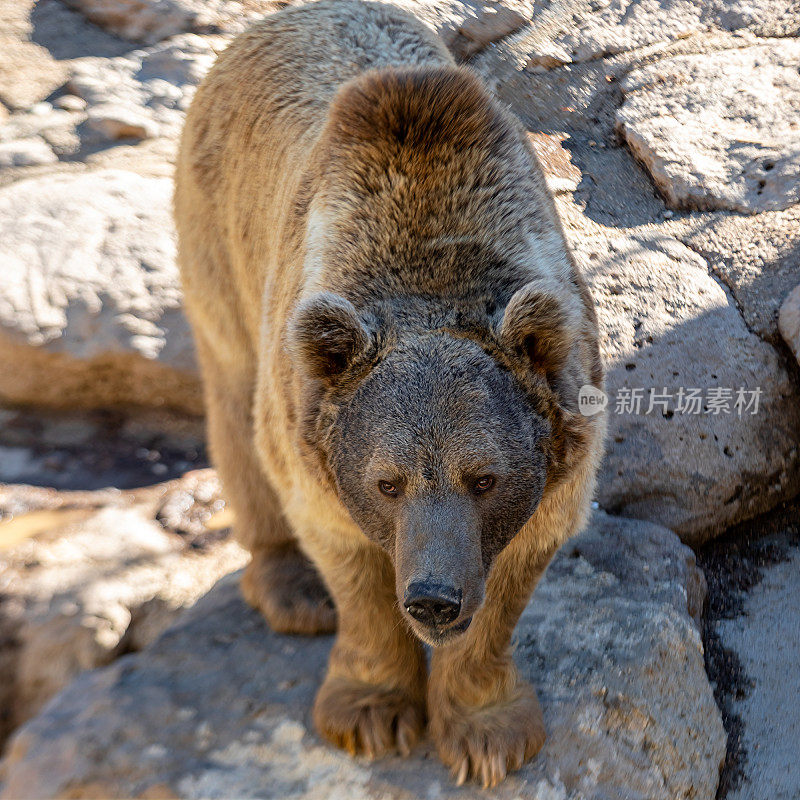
x=372, y=700
x=484, y=718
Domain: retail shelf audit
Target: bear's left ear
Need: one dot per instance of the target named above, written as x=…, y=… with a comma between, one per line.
x=326, y=334
x=541, y=323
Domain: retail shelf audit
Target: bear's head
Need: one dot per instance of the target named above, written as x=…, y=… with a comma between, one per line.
x=440, y=441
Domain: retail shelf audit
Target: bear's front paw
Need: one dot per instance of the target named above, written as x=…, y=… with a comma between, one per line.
x=486, y=743
x=368, y=720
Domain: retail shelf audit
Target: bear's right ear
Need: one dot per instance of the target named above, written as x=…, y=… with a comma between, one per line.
x=326, y=334
x=541, y=322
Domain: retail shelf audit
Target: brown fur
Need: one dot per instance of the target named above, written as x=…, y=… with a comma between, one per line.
x=345, y=198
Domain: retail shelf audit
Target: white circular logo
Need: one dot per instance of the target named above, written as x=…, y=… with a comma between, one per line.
x=591, y=400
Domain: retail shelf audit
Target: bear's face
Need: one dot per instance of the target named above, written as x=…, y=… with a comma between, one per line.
x=437, y=456
x=434, y=448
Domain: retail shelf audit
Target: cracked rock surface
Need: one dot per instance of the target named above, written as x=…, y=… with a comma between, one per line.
x=719, y=130
x=670, y=332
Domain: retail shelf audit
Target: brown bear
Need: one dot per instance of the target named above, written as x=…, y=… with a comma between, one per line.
x=392, y=335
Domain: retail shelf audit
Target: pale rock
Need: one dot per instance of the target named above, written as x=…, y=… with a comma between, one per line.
x=148, y=90
x=90, y=307
x=26, y=153
x=112, y=122
x=468, y=27
x=70, y=102
x=140, y=20
x=38, y=120
x=756, y=256
x=219, y=705
x=719, y=130
x=666, y=324
x=150, y=21
x=28, y=72
x=491, y=23
x=588, y=30
x=56, y=126
x=607, y=27
x=763, y=17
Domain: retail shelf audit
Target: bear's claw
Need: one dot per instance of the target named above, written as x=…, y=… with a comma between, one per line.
x=368, y=720
x=484, y=744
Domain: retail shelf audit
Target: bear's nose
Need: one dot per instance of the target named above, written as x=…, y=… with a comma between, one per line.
x=431, y=603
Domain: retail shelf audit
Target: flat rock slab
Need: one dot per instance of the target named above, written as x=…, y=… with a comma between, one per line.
x=588, y=30
x=90, y=293
x=219, y=706
x=719, y=130
x=598, y=29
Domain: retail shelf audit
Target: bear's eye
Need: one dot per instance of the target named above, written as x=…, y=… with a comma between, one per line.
x=389, y=489
x=483, y=484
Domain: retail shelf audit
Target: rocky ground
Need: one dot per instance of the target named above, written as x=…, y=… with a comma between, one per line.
x=669, y=134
